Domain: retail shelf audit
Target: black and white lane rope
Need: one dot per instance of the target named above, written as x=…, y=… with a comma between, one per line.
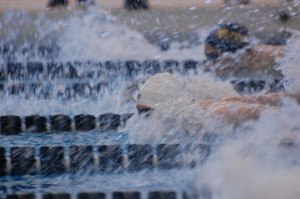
x=129, y=194
x=53, y=160
x=90, y=78
x=92, y=69
x=15, y=125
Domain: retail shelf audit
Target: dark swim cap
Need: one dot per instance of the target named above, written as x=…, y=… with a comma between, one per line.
x=235, y=27
x=228, y=37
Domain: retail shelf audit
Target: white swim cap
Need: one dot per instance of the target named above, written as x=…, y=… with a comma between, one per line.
x=159, y=89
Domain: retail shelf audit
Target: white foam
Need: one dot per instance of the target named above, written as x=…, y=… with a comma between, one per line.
x=290, y=65
x=97, y=36
x=254, y=165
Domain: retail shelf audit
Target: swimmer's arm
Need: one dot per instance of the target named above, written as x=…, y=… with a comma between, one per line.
x=276, y=99
x=269, y=51
x=261, y=55
x=272, y=99
x=234, y=110
x=249, y=100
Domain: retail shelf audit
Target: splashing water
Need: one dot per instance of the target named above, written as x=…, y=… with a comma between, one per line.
x=255, y=165
x=91, y=35
x=248, y=163
x=290, y=65
x=185, y=112
x=251, y=161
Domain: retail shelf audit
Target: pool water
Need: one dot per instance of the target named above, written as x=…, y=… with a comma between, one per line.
x=246, y=161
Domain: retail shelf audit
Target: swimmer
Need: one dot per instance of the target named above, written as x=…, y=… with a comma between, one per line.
x=230, y=53
x=162, y=89
x=229, y=37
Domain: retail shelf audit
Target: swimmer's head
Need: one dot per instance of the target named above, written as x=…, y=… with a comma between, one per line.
x=228, y=37
x=235, y=28
x=159, y=90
